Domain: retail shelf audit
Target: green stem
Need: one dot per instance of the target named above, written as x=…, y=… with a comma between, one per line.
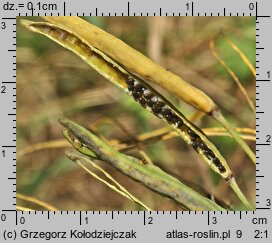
x=220, y=118
x=150, y=175
x=234, y=186
x=89, y=159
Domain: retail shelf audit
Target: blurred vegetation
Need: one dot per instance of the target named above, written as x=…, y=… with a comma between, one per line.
x=52, y=83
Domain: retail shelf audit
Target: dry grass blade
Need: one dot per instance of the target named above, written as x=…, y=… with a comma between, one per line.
x=136, y=200
x=21, y=208
x=222, y=132
x=61, y=143
x=197, y=116
x=241, y=54
x=221, y=119
x=163, y=134
x=233, y=75
x=36, y=201
x=82, y=100
x=241, y=130
x=122, y=191
x=132, y=138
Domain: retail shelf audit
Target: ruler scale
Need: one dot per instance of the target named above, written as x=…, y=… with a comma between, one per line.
x=145, y=226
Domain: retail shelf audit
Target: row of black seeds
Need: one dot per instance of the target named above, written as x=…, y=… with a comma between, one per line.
x=198, y=143
x=147, y=98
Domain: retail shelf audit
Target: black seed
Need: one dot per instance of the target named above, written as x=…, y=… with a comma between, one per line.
x=169, y=117
x=168, y=114
x=175, y=119
x=155, y=99
x=195, y=138
x=149, y=102
x=179, y=123
x=139, y=88
x=136, y=94
x=130, y=87
x=216, y=162
x=160, y=103
x=209, y=153
x=165, y=111
x=221, y=168
x=155, y=108
x=130, y=81
x=191, y=132
x=193, y=135
x=202, y=145
x=142, y=101
x=148, y=94
x=195, y=144
x=152, y=101
x=212, y=154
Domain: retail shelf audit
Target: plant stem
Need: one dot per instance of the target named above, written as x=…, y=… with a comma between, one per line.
x=234, y=186
x=220, y=118
x=150, y=175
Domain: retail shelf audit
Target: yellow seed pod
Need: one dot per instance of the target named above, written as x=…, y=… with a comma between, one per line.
x=135, y=62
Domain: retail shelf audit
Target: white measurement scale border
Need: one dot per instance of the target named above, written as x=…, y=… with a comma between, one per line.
x=253, y=225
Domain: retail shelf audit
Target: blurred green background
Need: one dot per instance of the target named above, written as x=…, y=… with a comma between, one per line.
x=52, y=82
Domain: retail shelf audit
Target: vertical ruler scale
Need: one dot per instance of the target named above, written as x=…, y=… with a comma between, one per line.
x=148, y=226
x=263, y=110
x=8, y=111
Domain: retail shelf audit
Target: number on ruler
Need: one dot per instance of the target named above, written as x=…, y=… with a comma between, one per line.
x=22, y=220
x=86, y=220
x=268, y=74
x=150, y=220
x=268, y=138
x=187, y=6
x=4, y=153
x=3, y=217
x=239, y=234
x=3, y=89
x=251, y=6
x=3, y=25
x=214, y=220
x=268, y=202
